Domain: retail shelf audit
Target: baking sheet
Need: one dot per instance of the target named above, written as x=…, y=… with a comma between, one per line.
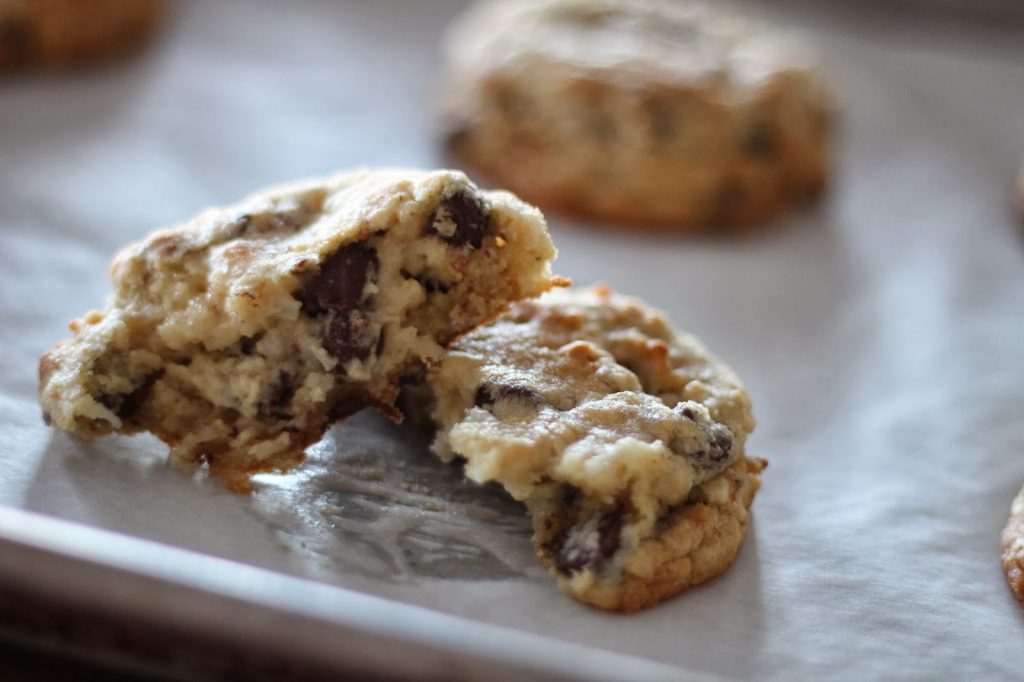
x=881, y=337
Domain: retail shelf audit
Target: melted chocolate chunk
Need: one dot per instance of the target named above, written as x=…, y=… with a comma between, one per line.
x=339, y=283
x=488, y=394
x=469, y=215
x=588, y=545
x=347, y=337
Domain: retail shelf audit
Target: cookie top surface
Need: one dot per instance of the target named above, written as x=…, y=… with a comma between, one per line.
x=691, y=44
x=614, y=396
x=244, y=263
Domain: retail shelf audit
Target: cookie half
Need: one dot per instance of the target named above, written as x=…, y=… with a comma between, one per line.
x=1013, y=547
x=671, y=114
x=624, y=438
x=37, y=33
x=240, y=336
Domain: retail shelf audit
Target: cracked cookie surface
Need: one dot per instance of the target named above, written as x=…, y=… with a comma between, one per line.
x=240, y=336
x=1013, y=548
x=670, y=115
x=624, y=438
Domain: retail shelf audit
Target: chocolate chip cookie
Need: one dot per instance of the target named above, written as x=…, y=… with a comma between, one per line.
x=1013, y=547
x=674, y=115
x=240, y=336
x=624, y=438
x=37, y=33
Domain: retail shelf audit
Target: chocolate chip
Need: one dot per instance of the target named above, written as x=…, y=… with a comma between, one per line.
x=761, y=140
x=458, y=136
x=286, y=217
x=239, y=227
x=47, y=419
x=590, y=544
x=432, y=286
x=129, y=404
x=689, y=413
x=347, y=336
x=718, y=451
x=488, y=394
x=469, y=220
x=512, y=103
x=340, y=281
x=247, y=344
x=281, y=393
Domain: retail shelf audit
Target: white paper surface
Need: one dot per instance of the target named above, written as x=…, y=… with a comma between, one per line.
x=881, y=338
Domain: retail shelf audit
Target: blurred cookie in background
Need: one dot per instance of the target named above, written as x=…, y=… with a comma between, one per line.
x=55, y=33
x=678, y=116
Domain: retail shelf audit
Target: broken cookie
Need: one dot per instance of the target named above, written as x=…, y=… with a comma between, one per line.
x=624, y=438
x=240, y=336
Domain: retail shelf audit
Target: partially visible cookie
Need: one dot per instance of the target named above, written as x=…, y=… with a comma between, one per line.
x=59, y=32
x=672, y=114
x=240, y=336
x=625, y=439
x=1013, y=547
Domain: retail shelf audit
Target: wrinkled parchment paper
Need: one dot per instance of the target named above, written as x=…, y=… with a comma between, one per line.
x=881, y=337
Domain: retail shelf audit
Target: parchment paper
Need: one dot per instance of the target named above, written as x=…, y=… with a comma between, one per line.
x=881, y=337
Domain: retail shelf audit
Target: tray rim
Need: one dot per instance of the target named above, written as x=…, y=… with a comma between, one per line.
x=148, y=582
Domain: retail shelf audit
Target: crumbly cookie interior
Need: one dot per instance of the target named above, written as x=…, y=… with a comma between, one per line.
x=612, y=428
x=240, y=338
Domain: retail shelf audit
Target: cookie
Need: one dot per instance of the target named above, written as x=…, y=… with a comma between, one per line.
x=1013, y=548
x=671, y=115
x=36, y=33
x=625, y=439
x=240, y=336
